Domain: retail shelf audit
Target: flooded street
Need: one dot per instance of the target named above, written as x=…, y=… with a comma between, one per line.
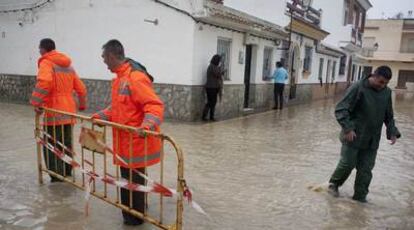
x=247, y=173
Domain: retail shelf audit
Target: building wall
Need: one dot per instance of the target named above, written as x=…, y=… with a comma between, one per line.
x=177, y=56
x=261, y=91
x=332, y=21
x=80, y=28
x=312, y=77
x=388, y=34
x=270, y=10
x=205, y=46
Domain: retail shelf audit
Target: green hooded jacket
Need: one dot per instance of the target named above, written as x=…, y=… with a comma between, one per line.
x=364, y=110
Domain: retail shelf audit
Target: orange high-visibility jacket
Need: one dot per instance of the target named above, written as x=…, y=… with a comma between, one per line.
x=134, y=103
x=55, y=83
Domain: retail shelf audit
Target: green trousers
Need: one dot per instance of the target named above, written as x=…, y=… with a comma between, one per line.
x=361, y=159
x=63, y=134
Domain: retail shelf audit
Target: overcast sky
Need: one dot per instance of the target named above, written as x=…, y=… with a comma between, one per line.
x=389, y=8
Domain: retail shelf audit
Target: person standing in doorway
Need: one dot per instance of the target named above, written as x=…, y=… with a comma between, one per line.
x=213, y=86
x=366, y=106
x=279, y=76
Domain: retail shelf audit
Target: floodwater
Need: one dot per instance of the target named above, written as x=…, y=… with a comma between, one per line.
x=247, y=173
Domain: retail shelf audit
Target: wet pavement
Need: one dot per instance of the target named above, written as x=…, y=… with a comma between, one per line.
x=247, y=173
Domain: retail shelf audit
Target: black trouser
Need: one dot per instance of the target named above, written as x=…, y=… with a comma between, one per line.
x=138, y=198
x=278, y=94
x=212, y=94
x=63, y=134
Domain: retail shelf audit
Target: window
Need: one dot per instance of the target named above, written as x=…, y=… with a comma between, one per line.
x=267, y=62
x=307, y=62
x=354, y=18
x=342, y=65
x=224, y=49
x=353, y=73
x=369, y=42
x=333, y=71
x=407, y=43
x=359, y=72
x=361, y=17
x=346, y=13
x=320, y=69
x=410, y=45
x=328, y=71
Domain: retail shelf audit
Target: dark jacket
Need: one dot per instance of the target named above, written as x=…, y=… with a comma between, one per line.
x=214, y=77
x=364, y=110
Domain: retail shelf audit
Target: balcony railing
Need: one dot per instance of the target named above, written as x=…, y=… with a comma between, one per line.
x=309, y=14
x=356, y=37
x=359, y=39
x=353, y=35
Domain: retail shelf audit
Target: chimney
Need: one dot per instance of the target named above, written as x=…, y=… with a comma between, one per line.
x=218, y=1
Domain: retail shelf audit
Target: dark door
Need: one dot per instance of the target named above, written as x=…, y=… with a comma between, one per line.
x=292, y=91
x=247, y=70
x=349, y=75
x=328, y=79
x=367, y=70
x=353, y=73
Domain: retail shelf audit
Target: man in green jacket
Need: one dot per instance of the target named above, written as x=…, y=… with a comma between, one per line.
x=361, y=113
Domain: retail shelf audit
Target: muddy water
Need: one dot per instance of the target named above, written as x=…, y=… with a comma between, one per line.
x=247, y=173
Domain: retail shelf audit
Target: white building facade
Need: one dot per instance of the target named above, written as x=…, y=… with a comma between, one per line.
x=174, y=39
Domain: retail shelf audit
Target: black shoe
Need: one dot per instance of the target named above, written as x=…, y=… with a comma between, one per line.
x=360, y=199
x=204, y=119
x=274, y=108
x=133, y=223
x=333, y=190
x=212, y=119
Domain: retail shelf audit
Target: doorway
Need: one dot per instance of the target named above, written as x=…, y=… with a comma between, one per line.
x=247, y=72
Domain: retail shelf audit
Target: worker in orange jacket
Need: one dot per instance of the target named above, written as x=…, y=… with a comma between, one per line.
x=56, y=81
x=134, y=103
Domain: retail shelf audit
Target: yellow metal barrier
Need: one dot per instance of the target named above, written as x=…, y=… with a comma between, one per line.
x=55, y=137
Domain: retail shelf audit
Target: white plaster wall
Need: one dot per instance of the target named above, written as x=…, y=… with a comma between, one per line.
x=270, y=10
x=332, y=21
x=313, y=76
x=205, y=46
x=80, y=28
x=257, y=66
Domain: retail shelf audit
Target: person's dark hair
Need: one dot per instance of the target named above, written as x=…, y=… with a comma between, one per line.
x=47, y=44
x=215, y=60
x=279, y=64
x=383, y=71
x=114, y=47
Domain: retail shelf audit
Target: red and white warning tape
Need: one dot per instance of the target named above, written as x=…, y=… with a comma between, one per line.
x=187, y=193
x=152, y=187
